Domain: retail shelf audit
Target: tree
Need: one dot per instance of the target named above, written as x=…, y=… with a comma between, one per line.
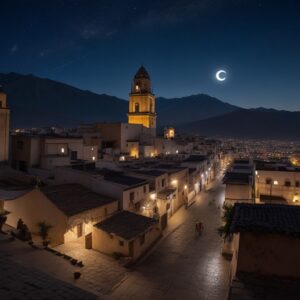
x=3, y=218
x=226, y=218
x=44, y=229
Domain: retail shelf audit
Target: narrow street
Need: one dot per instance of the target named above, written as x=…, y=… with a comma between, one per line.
x=184, y=265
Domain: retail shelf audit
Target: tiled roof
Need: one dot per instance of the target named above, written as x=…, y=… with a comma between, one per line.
x=72, y=199
x=270, y=218
x=21, y=282
x=126, y=225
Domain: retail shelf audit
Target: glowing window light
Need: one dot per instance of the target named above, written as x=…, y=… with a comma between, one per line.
x=275, y=182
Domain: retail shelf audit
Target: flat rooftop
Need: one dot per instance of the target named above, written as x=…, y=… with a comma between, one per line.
x=73, y=199
x=151, y=173
x=126, y=225
x=128, y=181
x=272, y=199
x=241, y=161
x=196, y=158
x=237, y=178
x=272, y=167
x=269, y=218
x=119, y=177
x=9, y=183
x=166, y=193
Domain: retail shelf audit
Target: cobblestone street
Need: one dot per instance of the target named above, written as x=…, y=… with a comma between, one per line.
x=184, y=265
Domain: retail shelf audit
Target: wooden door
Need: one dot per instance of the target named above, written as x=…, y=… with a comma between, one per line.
x=88, y=241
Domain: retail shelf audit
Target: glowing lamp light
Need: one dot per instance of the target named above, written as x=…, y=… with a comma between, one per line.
x=93, y=158
x=185, y=187
x=256, y=173
x=62, y=150
x=153, y=196
x=122, y=158
x=92, y=149
x=174, y=182
x=275, y=182
x=177, y=151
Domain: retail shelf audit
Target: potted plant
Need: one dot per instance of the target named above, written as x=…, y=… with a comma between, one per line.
x=44, y=231
x=3, y=218
x=224, y=229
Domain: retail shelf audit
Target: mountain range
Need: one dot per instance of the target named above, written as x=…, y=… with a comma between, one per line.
x=37, y=102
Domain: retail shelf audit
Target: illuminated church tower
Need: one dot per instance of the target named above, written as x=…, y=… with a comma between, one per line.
x=142, y=101
x=4, y=126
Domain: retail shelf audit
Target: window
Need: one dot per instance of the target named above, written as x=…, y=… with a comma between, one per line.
x=0, y=104
x=163, y=182
x=142, y=239
x=145, y=189
x=136, y=107
x=287, y=183
x=131, y=196
x=297, y=184
x=268, y=181
x=20, y=145
x=105, y=211
x=73, y=155
x=79, y=230
x=121, y=243
x=137, y=206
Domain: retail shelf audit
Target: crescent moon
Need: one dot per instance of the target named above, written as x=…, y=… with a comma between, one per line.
x=219, y=75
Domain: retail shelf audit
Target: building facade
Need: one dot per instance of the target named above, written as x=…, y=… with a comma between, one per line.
x=4, y=126
x=142, y=101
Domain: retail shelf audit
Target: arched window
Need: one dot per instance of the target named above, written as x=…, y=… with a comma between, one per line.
x=136, y=107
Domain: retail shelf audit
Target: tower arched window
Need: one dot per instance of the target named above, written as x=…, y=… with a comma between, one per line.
x=136, y=107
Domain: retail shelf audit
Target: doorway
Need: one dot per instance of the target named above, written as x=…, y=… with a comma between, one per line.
x=88, y=241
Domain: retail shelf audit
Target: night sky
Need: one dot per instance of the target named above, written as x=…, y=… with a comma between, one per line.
x=98, y=45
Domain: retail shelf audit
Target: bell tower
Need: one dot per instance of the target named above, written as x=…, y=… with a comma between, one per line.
x=4, y=126
x=142, y=101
